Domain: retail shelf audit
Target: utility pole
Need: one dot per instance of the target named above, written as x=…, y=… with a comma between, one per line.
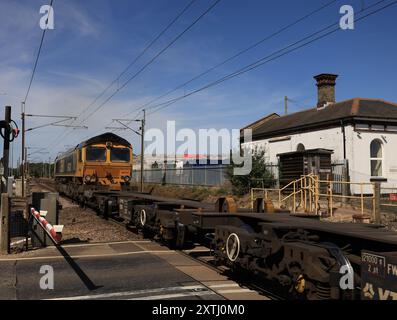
x=6, y=146
x=285, y=105
x=142, y=145
x=23, y=150
x=26, y=168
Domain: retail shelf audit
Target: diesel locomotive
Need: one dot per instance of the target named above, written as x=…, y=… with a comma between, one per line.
x=101, y=163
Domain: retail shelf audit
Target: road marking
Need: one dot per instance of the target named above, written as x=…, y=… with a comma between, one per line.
x=92, y=244
x=225, y=285
x=131, y=293
x=141, y=247
x=234, y=291
x=175, y=295
x=91, y=255
x=196, y=250
x=104, y=243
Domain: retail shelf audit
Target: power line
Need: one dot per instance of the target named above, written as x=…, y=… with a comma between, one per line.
x=172, y=101
x=128, y=67
x=139, y=55
x=153, y=59
x=103, y=128
x=212, y=6
x=36, y=61
x=271, y=57
x=241, y=52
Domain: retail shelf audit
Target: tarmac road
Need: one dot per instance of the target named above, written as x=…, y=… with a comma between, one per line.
x=121, y=270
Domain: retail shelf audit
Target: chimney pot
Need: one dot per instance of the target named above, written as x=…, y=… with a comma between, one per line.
x=325, y=88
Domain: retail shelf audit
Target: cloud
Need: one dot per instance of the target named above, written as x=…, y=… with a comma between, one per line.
x=73, y=16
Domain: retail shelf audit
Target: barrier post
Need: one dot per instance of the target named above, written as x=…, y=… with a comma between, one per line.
x=4, y=225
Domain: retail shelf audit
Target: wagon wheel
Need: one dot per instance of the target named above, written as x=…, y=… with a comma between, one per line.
x=233, y=247
x=142, y=217
x=228, y=205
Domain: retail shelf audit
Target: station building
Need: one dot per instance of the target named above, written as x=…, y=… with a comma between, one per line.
x=361, y=132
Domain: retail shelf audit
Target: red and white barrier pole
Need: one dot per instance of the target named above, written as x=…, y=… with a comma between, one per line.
x=54, y=231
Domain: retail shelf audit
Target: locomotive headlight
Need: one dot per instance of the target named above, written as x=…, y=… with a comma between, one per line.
x=87, y=178
x=127, y=178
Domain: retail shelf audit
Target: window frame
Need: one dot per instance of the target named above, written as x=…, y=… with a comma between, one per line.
x=87, y=149
x=120, y=161
x=377, y=159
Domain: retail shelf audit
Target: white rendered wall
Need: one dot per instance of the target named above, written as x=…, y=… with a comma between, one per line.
x=357, y=151
x=327, y=139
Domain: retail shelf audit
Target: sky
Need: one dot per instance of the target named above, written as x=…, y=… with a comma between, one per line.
x=94, y=40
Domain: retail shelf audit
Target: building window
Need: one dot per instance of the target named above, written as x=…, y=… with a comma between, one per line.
x=300, y=147
x=376, y=158
x=376, y=127
x=362, y=126
x=392, y=128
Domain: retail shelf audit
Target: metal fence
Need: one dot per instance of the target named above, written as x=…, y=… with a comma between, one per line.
x=214, y=175
x=198, y=176
x=339, y=175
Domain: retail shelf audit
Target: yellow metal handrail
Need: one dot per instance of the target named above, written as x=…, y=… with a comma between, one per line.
x=308, y=190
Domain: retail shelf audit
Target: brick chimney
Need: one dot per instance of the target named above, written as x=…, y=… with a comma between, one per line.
x=325, y=89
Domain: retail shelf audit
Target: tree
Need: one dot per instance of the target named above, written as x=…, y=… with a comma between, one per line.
x=259, y=176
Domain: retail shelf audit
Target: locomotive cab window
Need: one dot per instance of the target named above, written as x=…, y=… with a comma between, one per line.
x=95, y=154
x=120, y=155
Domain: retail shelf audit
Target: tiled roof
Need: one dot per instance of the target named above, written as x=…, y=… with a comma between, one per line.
x=333, y=113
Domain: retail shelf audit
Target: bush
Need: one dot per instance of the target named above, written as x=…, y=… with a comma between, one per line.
x=259, y=177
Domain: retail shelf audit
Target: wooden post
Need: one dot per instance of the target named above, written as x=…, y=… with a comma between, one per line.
x=377, y=202
x=4, y=225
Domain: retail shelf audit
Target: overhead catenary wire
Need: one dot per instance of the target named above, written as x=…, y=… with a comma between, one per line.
x=251, y=66
x=154, y=58
x=36, y=61
x=162, y=32
x=174, y=20
x=239, y=53
x=275, y=55
x=103, y=128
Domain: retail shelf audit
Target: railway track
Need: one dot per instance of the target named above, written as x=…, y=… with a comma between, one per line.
x=303, y=256
x=204, y=258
